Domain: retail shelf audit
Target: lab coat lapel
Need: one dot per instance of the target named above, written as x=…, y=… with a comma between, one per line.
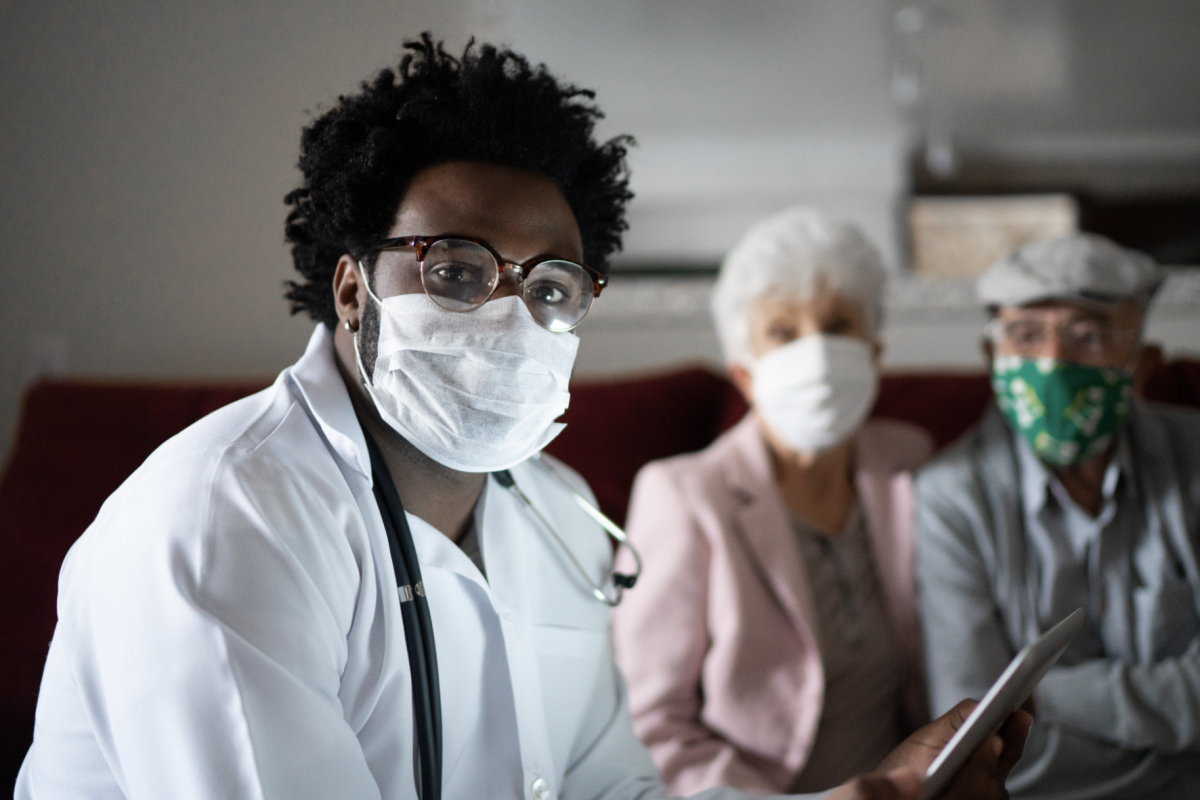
x=761, y=521
x=442, y=565
x=315, y=381
x=509, y=555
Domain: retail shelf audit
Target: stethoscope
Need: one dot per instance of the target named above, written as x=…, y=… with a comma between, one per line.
x=414, y=608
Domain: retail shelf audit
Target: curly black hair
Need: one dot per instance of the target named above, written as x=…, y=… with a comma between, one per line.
x=490, y=106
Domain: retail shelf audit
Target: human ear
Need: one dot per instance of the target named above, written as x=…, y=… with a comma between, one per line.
x=348, y=292
x=989, y=351
x=1148, y=360
x=741, y=378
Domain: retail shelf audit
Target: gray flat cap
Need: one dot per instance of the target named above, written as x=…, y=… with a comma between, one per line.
x=1081, y=266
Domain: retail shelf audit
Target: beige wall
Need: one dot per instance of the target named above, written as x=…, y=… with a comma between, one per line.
x=144, y=154
x=146, y=147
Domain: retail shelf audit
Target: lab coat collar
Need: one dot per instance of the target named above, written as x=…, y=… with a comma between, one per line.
x=319, y=387
x=318, y=384
x=437, y=551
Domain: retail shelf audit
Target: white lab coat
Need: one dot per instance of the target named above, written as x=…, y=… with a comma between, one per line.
x=229, y=628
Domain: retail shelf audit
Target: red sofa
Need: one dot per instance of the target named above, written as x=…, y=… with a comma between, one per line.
x=79, y=440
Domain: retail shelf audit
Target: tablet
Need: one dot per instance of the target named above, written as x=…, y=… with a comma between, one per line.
x=1006, y=695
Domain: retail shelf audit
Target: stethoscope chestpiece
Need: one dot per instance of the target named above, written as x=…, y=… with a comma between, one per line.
x=621, y=581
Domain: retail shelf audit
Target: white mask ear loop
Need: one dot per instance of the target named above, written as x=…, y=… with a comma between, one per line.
x=363, y=271
x=362, y=373
x=358, y=355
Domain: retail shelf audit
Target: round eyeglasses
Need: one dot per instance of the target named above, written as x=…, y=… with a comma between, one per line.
x=1082, y=338
x=460, y=273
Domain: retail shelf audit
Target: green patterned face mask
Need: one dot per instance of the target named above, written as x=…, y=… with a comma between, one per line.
x=1067, y=412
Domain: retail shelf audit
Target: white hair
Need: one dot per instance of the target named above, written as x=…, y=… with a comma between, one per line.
x=798, y=252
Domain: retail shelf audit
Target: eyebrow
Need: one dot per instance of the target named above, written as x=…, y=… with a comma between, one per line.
x=1073, y=316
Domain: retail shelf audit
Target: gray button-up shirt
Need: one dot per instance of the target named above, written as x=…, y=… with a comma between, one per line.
x=1072, y=548
x=1004, y=553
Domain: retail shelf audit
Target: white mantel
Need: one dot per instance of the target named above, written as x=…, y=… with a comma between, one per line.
x=643, y=324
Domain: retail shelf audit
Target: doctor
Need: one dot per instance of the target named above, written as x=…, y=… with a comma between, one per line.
x=231, y=625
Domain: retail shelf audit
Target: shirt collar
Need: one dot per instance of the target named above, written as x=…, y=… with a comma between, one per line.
x=318, y=386
x=437, y=551
x=1036, y=475
x=1121, y=463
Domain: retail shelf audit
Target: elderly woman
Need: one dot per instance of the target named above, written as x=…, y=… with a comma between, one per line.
x=772, y=644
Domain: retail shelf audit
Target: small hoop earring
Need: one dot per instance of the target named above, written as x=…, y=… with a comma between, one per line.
x=346, y=325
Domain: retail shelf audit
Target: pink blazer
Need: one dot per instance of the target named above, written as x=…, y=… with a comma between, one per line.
x=716, y=640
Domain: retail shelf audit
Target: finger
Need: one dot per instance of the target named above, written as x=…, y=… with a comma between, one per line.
x=958, y=715
x=986, y=757
x=1013, y=733
x=921, y=747
x=978, y=778
x=937, y=733
x=905, y=782
x=899, y=784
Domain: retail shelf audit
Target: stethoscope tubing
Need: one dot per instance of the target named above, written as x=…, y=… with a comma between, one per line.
x=620, y=582
x=414, y=607
x=418, y=627
x=614, y=530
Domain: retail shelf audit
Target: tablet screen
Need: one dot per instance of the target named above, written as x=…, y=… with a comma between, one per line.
x=1007, y=694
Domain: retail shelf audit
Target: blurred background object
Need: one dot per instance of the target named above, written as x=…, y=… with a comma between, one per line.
x=146, y=148
x=1098, y=100
x=960, y=237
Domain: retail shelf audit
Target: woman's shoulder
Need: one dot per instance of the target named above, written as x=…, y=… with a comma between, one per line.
x=893, y=446
x=706, y=471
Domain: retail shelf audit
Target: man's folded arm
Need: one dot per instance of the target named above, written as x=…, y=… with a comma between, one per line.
x=1154, y=706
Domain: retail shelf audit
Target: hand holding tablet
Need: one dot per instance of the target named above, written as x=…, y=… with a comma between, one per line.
x=1010, y=690
x=958, y=735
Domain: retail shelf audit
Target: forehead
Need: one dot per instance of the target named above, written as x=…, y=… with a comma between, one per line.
x=1064, y=310
x=823, y=302
x=522, y=213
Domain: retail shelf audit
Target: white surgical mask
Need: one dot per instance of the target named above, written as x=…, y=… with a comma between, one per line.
x=476, y=392
x=815, y=391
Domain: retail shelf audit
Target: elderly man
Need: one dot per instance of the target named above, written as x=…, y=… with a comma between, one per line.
x=1072, y=493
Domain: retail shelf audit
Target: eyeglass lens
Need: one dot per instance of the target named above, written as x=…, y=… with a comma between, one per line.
x=1082, y=335
x=460, y=276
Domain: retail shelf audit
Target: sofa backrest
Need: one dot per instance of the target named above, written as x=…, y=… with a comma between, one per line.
x=79, y=440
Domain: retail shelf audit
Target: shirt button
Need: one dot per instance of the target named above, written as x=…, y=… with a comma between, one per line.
x=540, y=789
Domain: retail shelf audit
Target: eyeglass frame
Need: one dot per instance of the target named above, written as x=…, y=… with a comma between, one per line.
x=422, y=244
x=994, y=331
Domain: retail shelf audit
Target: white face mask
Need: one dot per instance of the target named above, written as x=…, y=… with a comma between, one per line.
x=476, y=392
x=814, y=392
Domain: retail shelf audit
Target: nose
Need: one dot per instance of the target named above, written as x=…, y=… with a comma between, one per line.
x=1052, y=346
x=507, y=285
